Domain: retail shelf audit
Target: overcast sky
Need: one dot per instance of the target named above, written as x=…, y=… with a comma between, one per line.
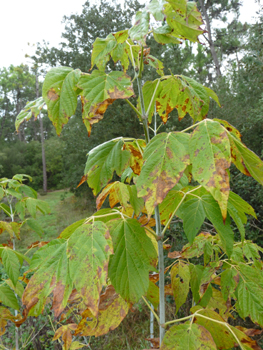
x=32, y=21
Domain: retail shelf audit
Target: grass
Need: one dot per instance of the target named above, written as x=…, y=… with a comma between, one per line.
x=65, y=209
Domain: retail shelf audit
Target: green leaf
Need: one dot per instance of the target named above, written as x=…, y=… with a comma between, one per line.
x=153, y=295
x=169, y=204
x=163, y=35
x=32, y=109
x=71, y=228
x=193, y=215
x=150, y=90
x=99, y=91
x=141, y=27
x=221, y=335
x=223, y=229
x=166, y=157
x=133, y=254
x=228, y=282
x=28, y=191
x=6, y=209
x=35, y=226
x=18, y=288
x=2, y=193
x=121, y=53
x=180, y=278
x=103, y=160
x=136, y=202
x=156, y=9
x=188, y=337
x=155, y=63
x=241, y=206
x=101, y=51
x=245, y=160
x=11, y=264
x=20, y=209
x=60, y=94
x=184, y=18
x=33, y=205
x=7, y=297
x=210, y=157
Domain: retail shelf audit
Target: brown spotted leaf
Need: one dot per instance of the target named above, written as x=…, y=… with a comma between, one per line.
x=188, y=337
x=66, y=333
x=180, y=277
x=117, y=191
x=136, y=149
x=112, y=310
x=210, y=158
x=184, y=94
x=99, y=91
x=60, y=94
x=80, y=262
x=184, y=19
x=5, y=315
x=166, y=158
x=245, y=160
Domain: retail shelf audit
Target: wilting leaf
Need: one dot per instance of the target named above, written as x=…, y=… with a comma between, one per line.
x=101, y=51
x=99, y=91
x=5, y=315
x=153, y=294
x=136, y=149
x=245, y=160
x=103, y=160
x=188, y=337
x=60, y=94
x=166, y=158
x=180, y=277
x=80, y=262
x=141, y=27
x=133, y=254
x=32, y=109
x=112, y=310
x=229, y=128
x=247, y=343
x=155, y=63
x=65, y=333
x=184, y=18
x=117, y=191
x=210, y=157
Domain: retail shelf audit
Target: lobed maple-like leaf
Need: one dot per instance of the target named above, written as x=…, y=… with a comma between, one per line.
x=164, y=35
x=166, y=157
x=133, y=255
x=99, y=90
x=32, y=109
x=210, y=158
x=101, y=51
x=80, y=262
x=60, y=94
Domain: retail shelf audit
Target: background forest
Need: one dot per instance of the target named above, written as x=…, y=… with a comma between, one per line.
x=229, y=60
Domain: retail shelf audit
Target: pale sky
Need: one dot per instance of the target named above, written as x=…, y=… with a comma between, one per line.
x=32, y=21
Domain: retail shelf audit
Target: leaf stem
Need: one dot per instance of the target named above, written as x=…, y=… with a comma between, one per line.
x=134, y=108
x=152, y=310
x=192, y=126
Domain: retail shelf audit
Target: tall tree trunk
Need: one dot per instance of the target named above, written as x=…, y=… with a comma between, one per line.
x=210, y=40
x=42, y=142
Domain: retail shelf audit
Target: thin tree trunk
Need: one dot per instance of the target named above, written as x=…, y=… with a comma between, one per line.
x=210, y=40
x=42, y=142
